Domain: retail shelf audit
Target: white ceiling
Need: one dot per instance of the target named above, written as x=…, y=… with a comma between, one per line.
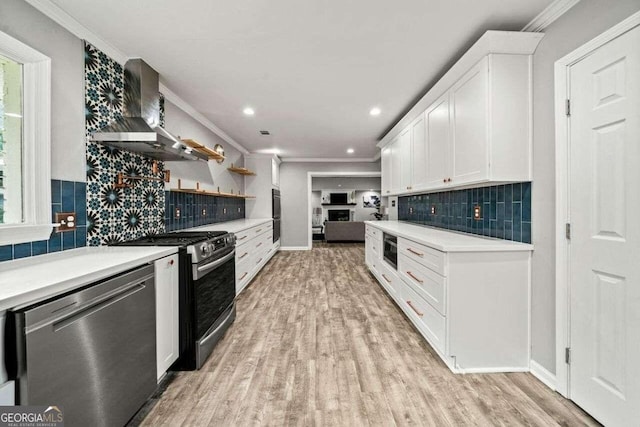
x=312, y=70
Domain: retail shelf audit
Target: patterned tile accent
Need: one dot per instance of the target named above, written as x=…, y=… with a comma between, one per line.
x=66, y=196
x=115, y=214
x=505, y=211
x=216, y=209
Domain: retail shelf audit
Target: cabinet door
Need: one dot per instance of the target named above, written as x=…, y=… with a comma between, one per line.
x=386, y=160
x=401, y=164
x=418, y=154
x=438, y=142
x=470, y=126
x=167, y=282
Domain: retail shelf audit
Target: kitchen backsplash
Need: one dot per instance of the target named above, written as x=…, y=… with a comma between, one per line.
x=199, y=209
x=505, y=211
x=115, y=214
x=66, y=196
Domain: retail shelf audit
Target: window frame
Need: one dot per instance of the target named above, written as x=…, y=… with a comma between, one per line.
x=36, y=144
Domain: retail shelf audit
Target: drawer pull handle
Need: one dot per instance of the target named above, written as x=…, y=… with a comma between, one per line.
x=242, y=238
x=415, y=278
x=386, y=278
x=258, y=230
x=243, y=276
x=259, y=261
x=414, y=309
x=258, y=245
x=243, y=255
x=415, y=253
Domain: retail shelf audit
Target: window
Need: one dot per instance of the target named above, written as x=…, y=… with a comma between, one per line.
x=10, y=142
x=25, y=170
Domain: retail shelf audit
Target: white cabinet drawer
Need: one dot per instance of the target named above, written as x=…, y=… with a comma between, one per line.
x=243, y=254
x=374, y=232
x=429, y=257
x=244, y=236
x=390, y=279
x=427, y=319
x=428, y=284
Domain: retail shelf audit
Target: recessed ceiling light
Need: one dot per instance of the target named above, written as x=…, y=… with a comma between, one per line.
x=248, y=111
x=350, y=150
x=375, y=111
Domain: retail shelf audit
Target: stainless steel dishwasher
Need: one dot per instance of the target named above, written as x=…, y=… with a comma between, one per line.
x=91, y=351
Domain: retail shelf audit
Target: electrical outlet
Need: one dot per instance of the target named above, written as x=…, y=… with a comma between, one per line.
x=433, y=209
x=67, y=221
x=177, y=213
x=239, y=210
x=224, y=210
x=204, y=212
x=477, y=212
x=410, y=211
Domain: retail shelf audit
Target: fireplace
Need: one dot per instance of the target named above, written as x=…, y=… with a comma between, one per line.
x=339, y=215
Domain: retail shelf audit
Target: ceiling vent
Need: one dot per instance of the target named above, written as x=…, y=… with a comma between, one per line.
x=264, y=132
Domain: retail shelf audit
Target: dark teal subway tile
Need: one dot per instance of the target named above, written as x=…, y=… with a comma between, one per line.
x=68, y=240
x=55, y=242
x=56, y=191
x=501, y=217
x=22, y=250
x=81, y=237
x=39, y=247
x=68, y=196
x=6, y=253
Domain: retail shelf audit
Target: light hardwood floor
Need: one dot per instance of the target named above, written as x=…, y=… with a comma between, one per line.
x=318, y=342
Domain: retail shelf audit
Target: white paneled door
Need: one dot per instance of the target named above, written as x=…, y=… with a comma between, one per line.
x=605, y=231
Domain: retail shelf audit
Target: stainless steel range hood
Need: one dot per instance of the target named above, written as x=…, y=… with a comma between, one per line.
x=139, y=129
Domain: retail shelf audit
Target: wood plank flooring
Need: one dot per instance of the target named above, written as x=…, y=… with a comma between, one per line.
x=318, y=342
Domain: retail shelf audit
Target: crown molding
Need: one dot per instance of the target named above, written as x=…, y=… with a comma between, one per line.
x=329, y=160
x=552, y=12
x=68, y=22
x=197, y=116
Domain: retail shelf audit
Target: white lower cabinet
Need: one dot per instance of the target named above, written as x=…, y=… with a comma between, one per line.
x=471, y=306
x=167, y=274
x=254, y=248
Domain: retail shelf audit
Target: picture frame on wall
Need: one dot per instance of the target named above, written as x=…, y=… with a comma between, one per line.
x=371, y=201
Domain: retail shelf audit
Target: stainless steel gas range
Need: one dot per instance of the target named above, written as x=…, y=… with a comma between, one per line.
x=207, y=290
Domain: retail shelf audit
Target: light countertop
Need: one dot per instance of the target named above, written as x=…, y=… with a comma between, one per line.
x=448, y=241
x=231, y=226
x=29, y=280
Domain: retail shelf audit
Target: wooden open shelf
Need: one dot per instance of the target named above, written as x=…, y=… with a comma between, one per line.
x=218, y=193
x=213, y=155
x=241, y=171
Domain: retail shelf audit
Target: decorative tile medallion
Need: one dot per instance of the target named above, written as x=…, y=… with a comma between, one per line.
x=115, y=214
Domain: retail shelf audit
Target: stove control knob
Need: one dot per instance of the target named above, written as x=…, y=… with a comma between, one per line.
x=204, y=249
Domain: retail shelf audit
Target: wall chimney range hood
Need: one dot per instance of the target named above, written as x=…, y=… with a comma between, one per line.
x=139, y=129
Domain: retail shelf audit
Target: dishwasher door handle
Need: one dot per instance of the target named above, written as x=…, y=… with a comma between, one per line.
x=96, y=305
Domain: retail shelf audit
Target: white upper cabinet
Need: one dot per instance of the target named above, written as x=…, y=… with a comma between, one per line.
x=469, y=110
x=438, y=143
x=418, y=154
x=386, y=169
x=472, y=127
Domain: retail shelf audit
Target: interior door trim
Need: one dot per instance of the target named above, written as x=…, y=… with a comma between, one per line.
x=563, y=291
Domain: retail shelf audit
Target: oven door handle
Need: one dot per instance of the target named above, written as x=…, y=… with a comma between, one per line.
x=204, y=269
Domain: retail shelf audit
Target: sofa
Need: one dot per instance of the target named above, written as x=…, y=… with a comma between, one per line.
x=344, y=231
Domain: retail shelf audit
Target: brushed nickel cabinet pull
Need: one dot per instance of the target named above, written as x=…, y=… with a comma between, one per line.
x=415, y=278
x=386, y=278
x=243, y=255
x=259, y=261
x=414, y=309
x=243, y=276
x=242, y=238
x=258, y=230
x=415, y=253
x=258, y=245
x=444, y=180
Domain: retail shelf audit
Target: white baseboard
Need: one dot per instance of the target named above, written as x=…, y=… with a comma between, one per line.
x=295, y=248
x=541, y=373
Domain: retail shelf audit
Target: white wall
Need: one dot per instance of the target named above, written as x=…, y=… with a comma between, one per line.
x=580, y=24
x=295, y=195
x=210, y=175
x=23, y=22
x=345, y=183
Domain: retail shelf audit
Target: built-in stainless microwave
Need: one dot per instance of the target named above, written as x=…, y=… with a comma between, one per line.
x=390, y=252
